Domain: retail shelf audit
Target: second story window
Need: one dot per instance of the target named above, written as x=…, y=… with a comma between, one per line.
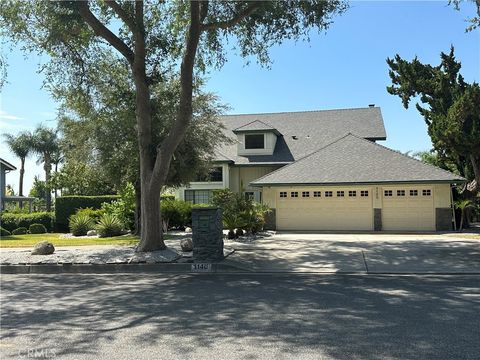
x=254, y=141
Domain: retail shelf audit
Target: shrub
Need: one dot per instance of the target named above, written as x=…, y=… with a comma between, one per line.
x=20, y=231
x=109, y=225
x=124, y=208
x=80, y=224
x=4, y=232
x=37, y=229
x=94, y=214
x=66, y=206
x=175, y=213
x=12, y=221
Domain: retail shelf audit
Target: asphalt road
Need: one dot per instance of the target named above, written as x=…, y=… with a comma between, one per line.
x=239, y=317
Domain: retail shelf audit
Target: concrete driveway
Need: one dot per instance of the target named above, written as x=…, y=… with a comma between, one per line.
x=360, y=253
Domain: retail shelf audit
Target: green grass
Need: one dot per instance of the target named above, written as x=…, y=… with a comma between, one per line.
x=30, y=240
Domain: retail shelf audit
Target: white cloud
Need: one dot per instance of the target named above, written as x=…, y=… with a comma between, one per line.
x=5, y=116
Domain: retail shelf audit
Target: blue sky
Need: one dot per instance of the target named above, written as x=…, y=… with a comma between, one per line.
x=342, y=68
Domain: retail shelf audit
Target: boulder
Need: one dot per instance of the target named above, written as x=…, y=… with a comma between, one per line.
x=188, y=229
x=186, y=244
x=43, y=248
x=91, y=233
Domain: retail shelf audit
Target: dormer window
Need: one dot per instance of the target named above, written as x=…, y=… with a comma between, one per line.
x=254, y=141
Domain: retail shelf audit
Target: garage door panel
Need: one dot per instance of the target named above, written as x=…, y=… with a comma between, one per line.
x=325, y=213
x=408, y=213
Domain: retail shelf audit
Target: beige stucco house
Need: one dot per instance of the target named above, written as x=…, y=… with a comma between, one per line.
x=324, y=170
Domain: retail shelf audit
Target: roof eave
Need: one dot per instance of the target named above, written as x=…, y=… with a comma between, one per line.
x=362, y=183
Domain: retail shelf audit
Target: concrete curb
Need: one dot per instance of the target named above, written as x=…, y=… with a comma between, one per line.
x=185, y=268
x=114, y=268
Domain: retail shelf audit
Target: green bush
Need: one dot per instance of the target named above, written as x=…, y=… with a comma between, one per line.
x=109, y=225
x=66, y=206
x=124, y=208
x=175, y=213
x=12, y=221
x=4, y=232
x=240, y=212
x=37, y=229
x=80, y=224
x=20, y=231
x=94, y=214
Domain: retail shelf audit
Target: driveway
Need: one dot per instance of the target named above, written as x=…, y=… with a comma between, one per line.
x=360, y=253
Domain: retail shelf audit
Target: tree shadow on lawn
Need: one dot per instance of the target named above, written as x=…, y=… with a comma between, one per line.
x=334, y=316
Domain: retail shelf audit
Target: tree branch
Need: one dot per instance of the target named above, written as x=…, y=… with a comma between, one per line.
x=249, y=10
x=184, y=113
x=101, y=30
x=122, y=14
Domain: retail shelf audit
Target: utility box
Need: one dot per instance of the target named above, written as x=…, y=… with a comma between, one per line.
x=207, y=234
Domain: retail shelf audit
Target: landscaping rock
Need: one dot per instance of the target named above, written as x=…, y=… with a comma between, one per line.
x=187, y=245
x=188, y=230
x=91, y=233
x=43, y=248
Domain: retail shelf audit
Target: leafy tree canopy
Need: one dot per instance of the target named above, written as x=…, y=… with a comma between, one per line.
x=449, y=105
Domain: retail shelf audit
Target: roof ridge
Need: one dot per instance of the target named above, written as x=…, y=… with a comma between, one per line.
x=408, y=157
x=303, y=157
x=304, y=111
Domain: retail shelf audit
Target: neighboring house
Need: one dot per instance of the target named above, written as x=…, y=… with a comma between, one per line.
x=6, y=167
x=323, y=170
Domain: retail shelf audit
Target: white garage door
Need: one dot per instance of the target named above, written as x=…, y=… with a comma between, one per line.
x=408, y=209
x=320, y=209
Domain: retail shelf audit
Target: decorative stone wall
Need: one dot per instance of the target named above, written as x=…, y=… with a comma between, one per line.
x=207, y=234
x=270, y=221
x=377, y=219
x=443, y=219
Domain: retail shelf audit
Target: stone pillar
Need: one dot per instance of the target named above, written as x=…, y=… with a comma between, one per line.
x=377, y=219
x=443, y=219
x=207, y=234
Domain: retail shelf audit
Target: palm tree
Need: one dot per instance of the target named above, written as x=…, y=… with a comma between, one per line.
x=46, y=145
x=21, y=146
x=463, y=205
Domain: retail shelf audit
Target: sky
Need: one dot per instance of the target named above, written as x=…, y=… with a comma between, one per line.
x=343, y=67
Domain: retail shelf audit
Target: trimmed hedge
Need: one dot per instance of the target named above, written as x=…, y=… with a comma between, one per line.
x=20, y=231
x=11, y=221
x=66, y=206
x=37, y=229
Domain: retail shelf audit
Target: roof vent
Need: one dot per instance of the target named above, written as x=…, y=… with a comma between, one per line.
x=371, y=105
x=294, y=137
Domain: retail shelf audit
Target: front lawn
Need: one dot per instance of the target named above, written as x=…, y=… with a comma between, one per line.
x=30, y=240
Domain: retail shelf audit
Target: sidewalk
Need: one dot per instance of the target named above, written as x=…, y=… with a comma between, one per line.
x=281, y=253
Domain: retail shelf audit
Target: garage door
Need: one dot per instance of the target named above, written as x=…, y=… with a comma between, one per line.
x=408, y=209
x=319, y=209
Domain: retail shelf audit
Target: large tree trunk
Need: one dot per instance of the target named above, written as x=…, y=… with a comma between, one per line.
x=20, y=184
x=151, y=236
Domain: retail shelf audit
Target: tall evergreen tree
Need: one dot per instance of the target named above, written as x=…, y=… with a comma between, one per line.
x=449, y=105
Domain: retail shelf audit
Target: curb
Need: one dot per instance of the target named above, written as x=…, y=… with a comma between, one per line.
x=116, y=268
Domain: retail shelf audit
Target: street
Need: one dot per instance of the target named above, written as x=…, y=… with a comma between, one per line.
x=148, y=316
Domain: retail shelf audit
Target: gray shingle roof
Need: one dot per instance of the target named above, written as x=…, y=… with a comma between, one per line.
x=352, y=159
x=303, y=132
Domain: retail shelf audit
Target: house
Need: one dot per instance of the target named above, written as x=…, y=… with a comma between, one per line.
x=6, y=167
x=324, y=170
